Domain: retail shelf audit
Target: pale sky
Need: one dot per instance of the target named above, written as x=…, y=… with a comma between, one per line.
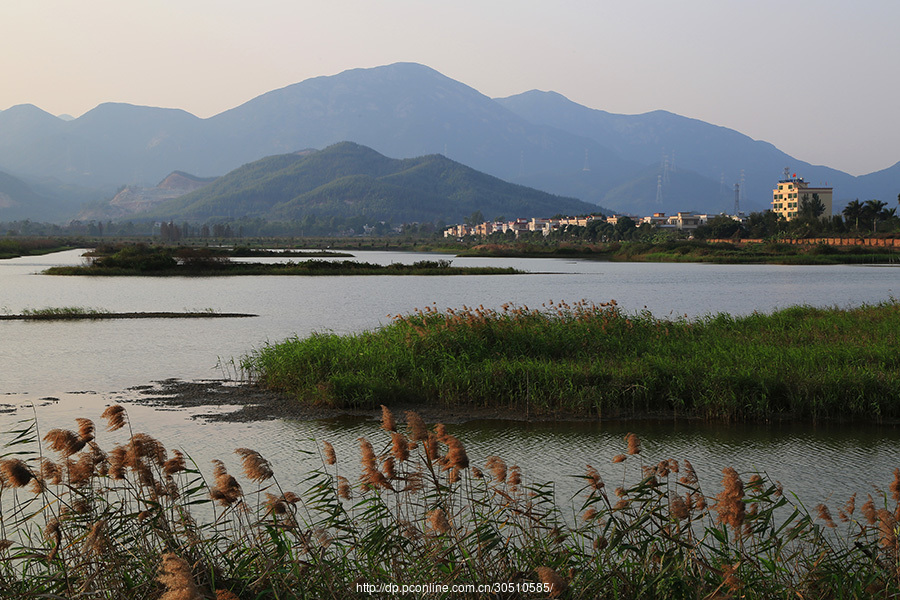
x=820, y=79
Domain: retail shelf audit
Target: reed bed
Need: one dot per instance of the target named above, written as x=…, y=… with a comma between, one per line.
x=142, y=522
x=596, y=360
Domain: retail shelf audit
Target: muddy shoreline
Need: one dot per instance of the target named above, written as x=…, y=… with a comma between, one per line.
x=253, y=403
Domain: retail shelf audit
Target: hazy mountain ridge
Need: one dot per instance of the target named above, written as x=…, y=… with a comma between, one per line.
x=539, y=139
x=350, y=180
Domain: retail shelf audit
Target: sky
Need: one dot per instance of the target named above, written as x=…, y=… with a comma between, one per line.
x=816, y=78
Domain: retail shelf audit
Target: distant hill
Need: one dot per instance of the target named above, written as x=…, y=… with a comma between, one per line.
x=132, y=200
x=538, y=139
x=348, y=180
x=19, y=201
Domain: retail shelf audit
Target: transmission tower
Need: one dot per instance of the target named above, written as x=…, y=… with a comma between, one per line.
x=737, y=199
x=659, y=189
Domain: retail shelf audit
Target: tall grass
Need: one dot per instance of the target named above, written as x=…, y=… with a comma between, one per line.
x=800, y=362
x=141, y=522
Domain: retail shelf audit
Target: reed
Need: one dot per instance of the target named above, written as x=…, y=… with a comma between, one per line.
x=801, y=362
x=139, y=522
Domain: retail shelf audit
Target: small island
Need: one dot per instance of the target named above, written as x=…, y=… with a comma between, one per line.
x=77, y=313
x=143, y=260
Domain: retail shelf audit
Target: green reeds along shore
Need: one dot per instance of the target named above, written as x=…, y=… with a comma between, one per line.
x=139, y=522
x=595, y=360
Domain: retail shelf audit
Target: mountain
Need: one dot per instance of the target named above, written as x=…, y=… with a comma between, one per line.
x=538, y=139
x=719, y=154
x=350, y=181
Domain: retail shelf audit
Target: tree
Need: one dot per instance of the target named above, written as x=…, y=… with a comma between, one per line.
x=852, y=212
x=874, y=210
x=811, y=208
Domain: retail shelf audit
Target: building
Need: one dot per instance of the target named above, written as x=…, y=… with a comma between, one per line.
x=792, y=191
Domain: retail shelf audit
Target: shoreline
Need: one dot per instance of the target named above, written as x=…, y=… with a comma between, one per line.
x=256, y=404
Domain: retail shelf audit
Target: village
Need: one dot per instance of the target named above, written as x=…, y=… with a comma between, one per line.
x=680, y=221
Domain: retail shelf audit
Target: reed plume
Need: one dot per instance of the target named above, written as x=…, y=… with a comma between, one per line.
x=730, y=506
x=437, y=520
x=175, y=575
x=225, y=490
x=64, y=441
x=256, y=468
x=15, y=472
x=417, y=430
x=634, y=444
x=387, y=419
x=551, y=578
x=328, y=451
x=115, y=416
x=399, y=447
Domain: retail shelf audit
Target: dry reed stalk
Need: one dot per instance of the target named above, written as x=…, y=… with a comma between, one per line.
x=456, y=453
x=514, y=480
x=848, y=510
x=175, y=575
x=595, y=481
x=730, y=506
x=387, y=419
x=868, y=510
x=417, y=430
x=343, y=488
x=176, y=464
x=895, y=486
x=371, y=474
x=328, y=451
x=825, y=515
x=618, y=458
x=690, y=476
x=634, y=444
x=399, y=447
x=50, y=472
x=64, y=441
x=226, y=595
x=225, y=490
x=551, y=578
x=85, y=429
x=15, y=472
x=497, y=467
x=887, y=529
x=115, y=416
x=275, y=505
x=437, y=520
x=679, y=509
x=255, y=467
x=95, y=541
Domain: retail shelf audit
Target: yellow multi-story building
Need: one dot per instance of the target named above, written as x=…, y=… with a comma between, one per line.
x=792, y=191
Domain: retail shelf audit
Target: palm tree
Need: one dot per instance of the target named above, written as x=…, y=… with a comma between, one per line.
x=873, y=210
x=852, y=212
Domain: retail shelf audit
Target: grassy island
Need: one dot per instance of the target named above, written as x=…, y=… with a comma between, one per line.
x=139, y=260
x=798, y=363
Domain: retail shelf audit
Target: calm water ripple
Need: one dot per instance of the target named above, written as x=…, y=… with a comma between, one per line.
x=64, y=360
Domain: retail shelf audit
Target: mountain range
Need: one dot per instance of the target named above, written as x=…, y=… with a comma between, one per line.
x=636, y=164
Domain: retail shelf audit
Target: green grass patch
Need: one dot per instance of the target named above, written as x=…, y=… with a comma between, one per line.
x=801, y=363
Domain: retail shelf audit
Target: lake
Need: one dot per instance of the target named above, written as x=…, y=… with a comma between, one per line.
x=73, y=369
